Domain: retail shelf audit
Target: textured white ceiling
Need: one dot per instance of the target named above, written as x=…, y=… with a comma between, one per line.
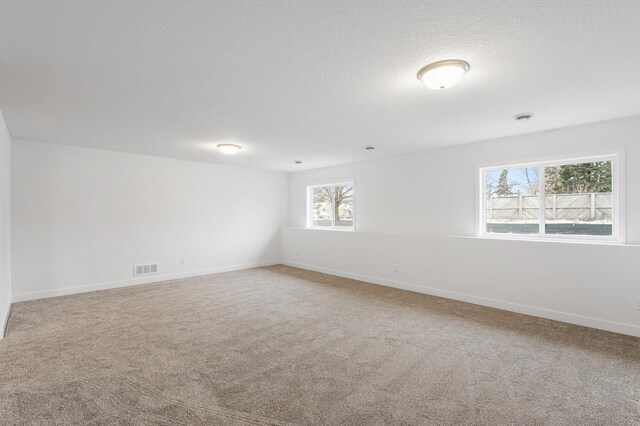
x=308, y=80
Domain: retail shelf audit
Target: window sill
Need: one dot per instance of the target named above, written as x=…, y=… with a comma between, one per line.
x=475, y=237
x=330, y=228
x=576, y=240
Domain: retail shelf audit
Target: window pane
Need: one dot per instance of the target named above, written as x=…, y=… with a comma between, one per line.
x=579, y=199
x=512, y=201
x=322, y=206
x=344, y=205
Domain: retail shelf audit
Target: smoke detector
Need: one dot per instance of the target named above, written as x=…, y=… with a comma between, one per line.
x=523, y=116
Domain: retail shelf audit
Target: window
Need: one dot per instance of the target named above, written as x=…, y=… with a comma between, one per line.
x=562, y=199
x=331, y=206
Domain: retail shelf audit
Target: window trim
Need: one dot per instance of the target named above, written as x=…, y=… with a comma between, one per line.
x=618, y=220
x=309, y=221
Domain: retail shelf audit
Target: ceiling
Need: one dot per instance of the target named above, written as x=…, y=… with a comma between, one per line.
x=308, y=80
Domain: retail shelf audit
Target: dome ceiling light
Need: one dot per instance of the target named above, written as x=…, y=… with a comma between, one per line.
x=228, y=148
x=443, y=74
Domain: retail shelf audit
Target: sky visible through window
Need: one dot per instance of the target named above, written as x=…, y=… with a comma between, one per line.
x=512, y=181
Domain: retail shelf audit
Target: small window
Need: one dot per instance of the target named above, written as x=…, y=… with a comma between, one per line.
x=332, y=206
x=564, y=199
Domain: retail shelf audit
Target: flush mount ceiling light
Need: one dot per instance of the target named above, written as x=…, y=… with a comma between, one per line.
x=443, y=74
x=228, y=148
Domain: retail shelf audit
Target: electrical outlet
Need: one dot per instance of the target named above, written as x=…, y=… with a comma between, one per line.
x=638, y=304
x=395, y=268
x=183, y=260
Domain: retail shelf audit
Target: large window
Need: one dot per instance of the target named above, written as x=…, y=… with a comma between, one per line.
x=331, y=206
x=562, y=199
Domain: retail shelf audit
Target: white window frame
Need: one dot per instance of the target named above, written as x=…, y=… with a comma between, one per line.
x=332, y=227
x=617, y=192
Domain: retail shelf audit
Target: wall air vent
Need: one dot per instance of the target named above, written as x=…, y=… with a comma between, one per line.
x=147, y=269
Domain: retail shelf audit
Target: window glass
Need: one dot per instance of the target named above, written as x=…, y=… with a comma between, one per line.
x=322, y=206
x=556, y=199
x=332, y=206
x=343, y=205
x=579, y=199
x=512, y=201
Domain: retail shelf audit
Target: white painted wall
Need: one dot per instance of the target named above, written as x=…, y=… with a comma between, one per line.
x=404, y=186
x=5, y=224
x=396, y=223
x=83, y=217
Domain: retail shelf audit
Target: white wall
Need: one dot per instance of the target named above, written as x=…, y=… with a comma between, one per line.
x=397, y=223
x=405, y=185
x=5, y=224
x=84, y=217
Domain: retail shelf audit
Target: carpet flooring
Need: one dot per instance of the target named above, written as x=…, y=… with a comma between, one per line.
x=280, y=345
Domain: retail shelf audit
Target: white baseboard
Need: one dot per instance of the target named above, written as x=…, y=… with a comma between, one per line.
x=4, y=320
x=616, y=327
x=23, y=297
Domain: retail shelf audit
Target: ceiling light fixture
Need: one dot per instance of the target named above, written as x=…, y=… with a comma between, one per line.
x=228, y=148
x=443, y=74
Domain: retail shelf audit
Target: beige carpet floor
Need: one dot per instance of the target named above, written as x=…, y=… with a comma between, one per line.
x=280, y=345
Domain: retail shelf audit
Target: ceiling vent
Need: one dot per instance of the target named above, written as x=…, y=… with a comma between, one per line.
x=150, y=268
